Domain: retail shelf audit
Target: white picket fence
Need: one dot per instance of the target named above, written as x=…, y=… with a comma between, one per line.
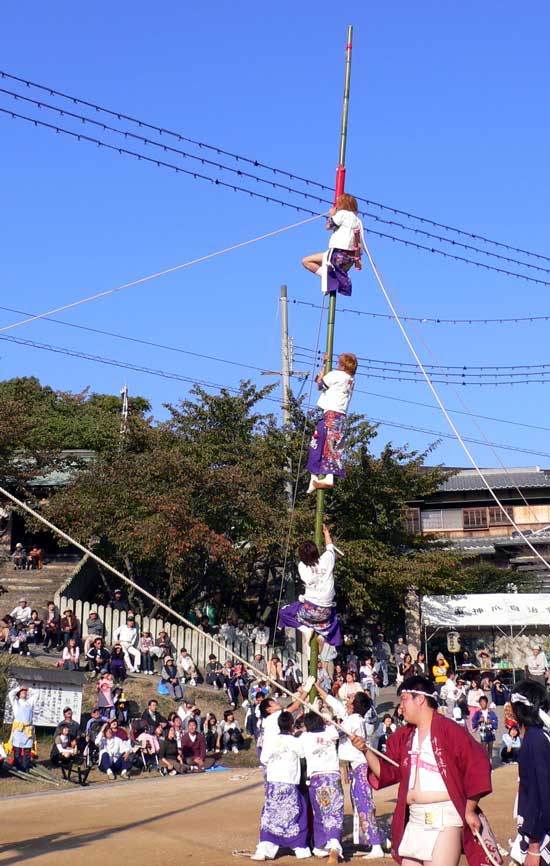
x=198, y=644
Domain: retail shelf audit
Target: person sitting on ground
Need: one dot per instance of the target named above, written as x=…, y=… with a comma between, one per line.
x=52, y=627
x=94, y=724
x=19, y=557
x=117, y=663
x=315, y=612
x=193, y=748
x=211, y=733
x=231, y=737
x=239, y=685
x=187, y=671
x=75, y=732
x=105, y=700
x=214, y=671
x=152, y=716
x=122, y=714
x=511, y=744
x=196, y=714
x=169, y=678
x=164, y=644
x=170, y=755
x=35, y=557
x=145, y=647
x=344, y=247
x=17, y=640
x=118, y=730
x=127, y=636
x=69, y=626
x=150, y=747
x=64, y=749
x=185, y=712
x=94, y=629
x=37, y=630
x=98, y=658
x=70, y=657
x=22, y=613
x=115, y=756
x=326, y=454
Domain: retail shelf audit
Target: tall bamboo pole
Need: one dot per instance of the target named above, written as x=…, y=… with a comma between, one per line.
x=338, y=191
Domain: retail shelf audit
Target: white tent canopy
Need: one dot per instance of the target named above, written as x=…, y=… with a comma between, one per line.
x=491, y=610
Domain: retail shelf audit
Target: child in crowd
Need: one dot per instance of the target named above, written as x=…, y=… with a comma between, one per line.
x=325, y=458
x=345, y=246
x=314, y=611
x=230, y=733
x=511, y=744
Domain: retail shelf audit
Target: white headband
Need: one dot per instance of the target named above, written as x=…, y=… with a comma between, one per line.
x=419, y=692
x=516, y=698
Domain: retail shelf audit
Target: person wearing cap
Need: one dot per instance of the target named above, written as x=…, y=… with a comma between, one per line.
x=22, y=613
x=535, y=666
x=169, y=677
x=19, y=557
x=442, y=774
x=118, y=602
x=22, y=738
x=127, y=636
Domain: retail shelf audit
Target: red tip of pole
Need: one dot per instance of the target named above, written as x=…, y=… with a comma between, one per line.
x=340, y=181
x=349, y=46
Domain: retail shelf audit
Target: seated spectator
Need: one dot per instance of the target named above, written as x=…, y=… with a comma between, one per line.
x=145, y=647
x=185, y=712
x=75, y=732
x=152, y=716
x=383, y=732
x=117, y=664
x=105, y=700
x=118, y=730
x=170, y=755
x=227, y=673
x=69, y=626
x=98, y=658
x=214, y=672
x=5, y=625
x=511, y=744
x=64, y=749
x=164, y=644
x=187, y=671
x=239, y=685
x=349, y=687
x=338, y=679
x=19, y=557
x=127, y=636
x=17, y=640
x=115, y=757
x=119, y=602
x=193, y=748
x=70, y=658
x=292, y=676
x=150, y=747
x=230, y=733
x=196, y=714
x=211, y=733
x=35, y=557
x=169, y=677
x=35, y=630
x=94, y=629
x=177, y=724
x=260, y=664
x=260, y=634
x=95, y=723
x=122, y=714
x=52, y=627
x=22, y=613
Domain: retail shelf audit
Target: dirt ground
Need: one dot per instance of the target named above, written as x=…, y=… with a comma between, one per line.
x=164, y=821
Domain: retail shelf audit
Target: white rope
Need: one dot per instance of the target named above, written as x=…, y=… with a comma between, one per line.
x=158, y=274
x=171, y=611
x=445, y=413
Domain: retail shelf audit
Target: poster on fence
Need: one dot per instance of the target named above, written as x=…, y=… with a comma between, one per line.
x=56, y=689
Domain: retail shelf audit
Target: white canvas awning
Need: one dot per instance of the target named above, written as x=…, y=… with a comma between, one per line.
x=489, y=610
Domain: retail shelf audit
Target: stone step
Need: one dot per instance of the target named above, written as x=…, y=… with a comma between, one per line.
x=38, y=580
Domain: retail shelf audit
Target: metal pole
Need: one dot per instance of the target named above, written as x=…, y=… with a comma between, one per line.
x=285, y=359
x=338, y=191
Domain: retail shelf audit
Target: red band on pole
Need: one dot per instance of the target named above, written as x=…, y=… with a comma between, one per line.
x=340, y=182
x=349, y=46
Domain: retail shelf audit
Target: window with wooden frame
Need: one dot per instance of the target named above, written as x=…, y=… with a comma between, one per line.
x=482, y=518
x=411, y=520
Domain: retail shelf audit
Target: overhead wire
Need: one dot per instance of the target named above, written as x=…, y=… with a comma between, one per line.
x=196, y=175
x=165, y=374
x=308, y=182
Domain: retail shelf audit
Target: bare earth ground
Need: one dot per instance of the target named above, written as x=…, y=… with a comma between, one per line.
x=165, y=821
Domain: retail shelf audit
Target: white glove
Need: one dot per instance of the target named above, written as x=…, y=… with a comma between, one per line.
x=308, y=685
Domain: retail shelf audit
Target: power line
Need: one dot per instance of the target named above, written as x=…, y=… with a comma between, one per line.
x=160, y=130
x=427, y=320
x=196, y=175
x=274, y=184
x=164, y=374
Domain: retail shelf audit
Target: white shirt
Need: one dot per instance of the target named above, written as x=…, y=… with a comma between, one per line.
x=337, y=390
x=115, y=747
x=269, y=730
x=282, y=759
x=343, y=237
x=353, y=724
x=21, y=614
x=423, y=762
x=227, y=632
x=260, y=635
x=319, y=579
x=126, y=635
x=319, y=750
x=366, y=675
x=185, y=663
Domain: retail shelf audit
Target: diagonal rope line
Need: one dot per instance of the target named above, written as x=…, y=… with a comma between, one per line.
x=444, y=410
x=158, y=274
x=298, y=471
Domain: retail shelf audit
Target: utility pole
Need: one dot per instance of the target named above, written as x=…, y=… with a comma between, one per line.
x=338, y=191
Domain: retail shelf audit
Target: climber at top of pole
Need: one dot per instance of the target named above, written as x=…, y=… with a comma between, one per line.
x=344, y=248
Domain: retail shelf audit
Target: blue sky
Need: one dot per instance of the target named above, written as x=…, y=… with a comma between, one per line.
x=447, y=120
